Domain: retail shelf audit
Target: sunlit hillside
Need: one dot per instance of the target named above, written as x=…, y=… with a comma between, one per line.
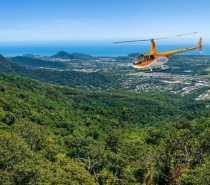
x=59, y=135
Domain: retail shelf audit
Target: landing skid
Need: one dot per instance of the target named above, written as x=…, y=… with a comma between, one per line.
x=159, y=69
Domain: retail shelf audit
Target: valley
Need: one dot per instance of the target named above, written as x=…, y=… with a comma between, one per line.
x=88, y=120
x=104, y=92
x=184, y=75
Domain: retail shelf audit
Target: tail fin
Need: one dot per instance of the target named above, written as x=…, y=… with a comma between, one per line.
x=199, y=46
x=200, y=43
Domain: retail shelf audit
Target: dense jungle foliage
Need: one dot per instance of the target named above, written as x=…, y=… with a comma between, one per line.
x=59, y=135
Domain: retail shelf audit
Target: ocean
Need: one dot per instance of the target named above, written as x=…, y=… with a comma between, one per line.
x=112, y=50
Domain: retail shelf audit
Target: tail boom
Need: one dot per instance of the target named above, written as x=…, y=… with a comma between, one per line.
x=199, y=46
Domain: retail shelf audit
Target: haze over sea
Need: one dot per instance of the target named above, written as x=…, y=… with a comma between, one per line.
x=112, y=50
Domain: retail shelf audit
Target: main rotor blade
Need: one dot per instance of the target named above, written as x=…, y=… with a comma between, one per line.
x=132, y=41
x=155, y=38
x=175, y=36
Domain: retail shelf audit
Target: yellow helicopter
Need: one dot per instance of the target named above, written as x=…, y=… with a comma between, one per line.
x=149, y=60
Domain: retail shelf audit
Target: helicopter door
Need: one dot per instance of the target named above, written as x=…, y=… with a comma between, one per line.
x=151, y=57
x=146, y=58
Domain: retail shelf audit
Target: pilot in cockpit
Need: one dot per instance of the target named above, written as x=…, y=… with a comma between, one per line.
x=138, y=60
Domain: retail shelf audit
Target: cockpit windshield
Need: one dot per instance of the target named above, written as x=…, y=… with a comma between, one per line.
x=138, y=60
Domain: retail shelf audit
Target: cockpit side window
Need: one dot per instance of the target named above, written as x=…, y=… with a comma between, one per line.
x=146, y=57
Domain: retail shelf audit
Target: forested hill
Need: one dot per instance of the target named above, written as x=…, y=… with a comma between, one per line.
x=11, y=67
x=123, y=107
x=58, y=135
x=68, y=78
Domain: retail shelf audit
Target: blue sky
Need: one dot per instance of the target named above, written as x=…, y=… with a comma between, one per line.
x=102, y=20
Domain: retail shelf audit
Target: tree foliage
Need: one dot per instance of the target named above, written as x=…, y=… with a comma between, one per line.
x=58, y=135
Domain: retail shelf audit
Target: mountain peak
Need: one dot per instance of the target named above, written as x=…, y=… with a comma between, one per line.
x=65, y=55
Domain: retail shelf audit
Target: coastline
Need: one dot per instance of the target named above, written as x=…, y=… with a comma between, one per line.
x=93, y=50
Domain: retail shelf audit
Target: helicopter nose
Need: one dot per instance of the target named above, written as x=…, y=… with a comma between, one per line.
x=136, y=61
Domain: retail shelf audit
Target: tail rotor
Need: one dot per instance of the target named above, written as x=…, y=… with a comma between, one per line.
x=202, y=50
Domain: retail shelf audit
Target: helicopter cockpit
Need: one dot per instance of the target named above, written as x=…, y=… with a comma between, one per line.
x=142, y=58
x=138, y=60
